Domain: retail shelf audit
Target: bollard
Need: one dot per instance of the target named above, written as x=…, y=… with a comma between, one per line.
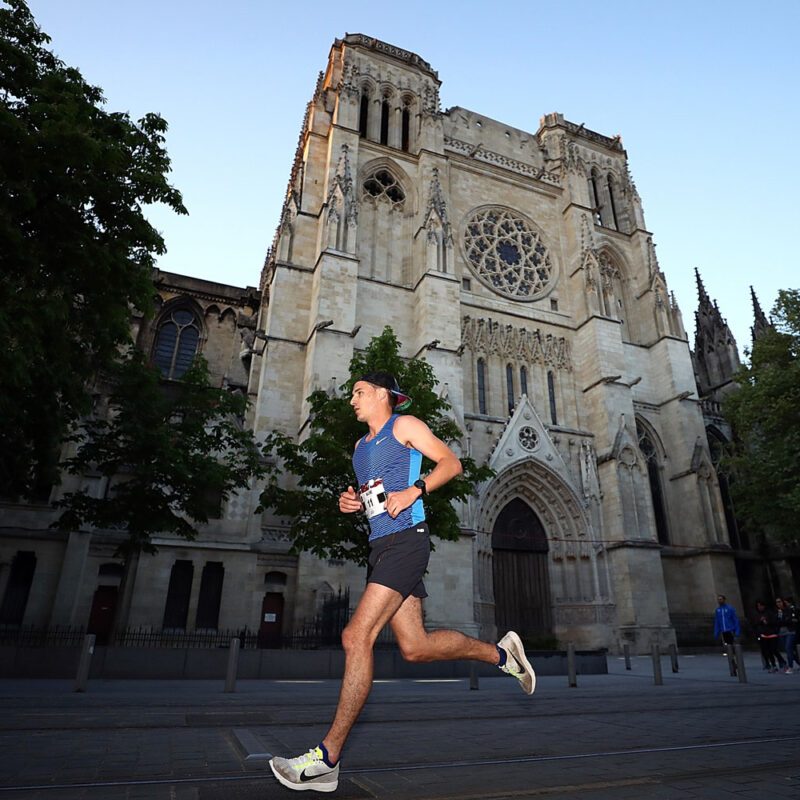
x=730, y=652
x=673, y=654
x=626, y=651
x=657, y=679
x=83, y=665
x=473, y=676
x=233, y=666
x=572, y=677
x=740, y=662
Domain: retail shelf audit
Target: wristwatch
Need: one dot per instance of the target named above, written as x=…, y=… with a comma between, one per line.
x=420, y=484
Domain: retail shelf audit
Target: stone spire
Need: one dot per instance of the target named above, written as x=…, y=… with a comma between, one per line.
x=701, y=290
x=716, y=357
x=709, y=323
x=762, y=322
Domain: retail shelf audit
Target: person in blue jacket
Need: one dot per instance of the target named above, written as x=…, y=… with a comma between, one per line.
x=726, y=623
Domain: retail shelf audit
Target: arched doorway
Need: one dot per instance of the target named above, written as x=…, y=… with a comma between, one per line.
x=104, y=602
x=520, y=572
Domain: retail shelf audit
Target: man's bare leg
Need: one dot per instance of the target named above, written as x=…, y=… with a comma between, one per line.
x=416, y=644
x=376, y=607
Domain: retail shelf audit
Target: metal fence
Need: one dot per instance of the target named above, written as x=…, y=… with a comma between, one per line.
x=322, y=632
x=41, y=637
x=311, y=636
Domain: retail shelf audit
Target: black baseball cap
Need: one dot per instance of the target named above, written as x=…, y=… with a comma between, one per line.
x=387, y=381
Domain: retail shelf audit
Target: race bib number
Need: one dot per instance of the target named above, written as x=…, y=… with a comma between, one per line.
x=373, y=496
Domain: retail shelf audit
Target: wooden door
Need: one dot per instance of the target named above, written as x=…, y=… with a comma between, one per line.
x=520, y=566
x=101, y=617
x=269, y=634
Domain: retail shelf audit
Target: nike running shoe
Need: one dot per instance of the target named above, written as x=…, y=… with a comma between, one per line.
x=517, y=663
x=308, y=771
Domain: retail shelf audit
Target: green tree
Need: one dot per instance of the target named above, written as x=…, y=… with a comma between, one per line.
x=321, y=465
x=171, y=452
x=75, y=248
x=765, y=415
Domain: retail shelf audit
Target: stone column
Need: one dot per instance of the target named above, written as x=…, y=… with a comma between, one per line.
x=70, y=580
x=396, y=127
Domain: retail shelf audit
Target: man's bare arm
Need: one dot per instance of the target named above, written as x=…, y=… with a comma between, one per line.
x=413, y=432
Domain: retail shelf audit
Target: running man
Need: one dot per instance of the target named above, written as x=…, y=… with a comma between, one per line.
x=387, y=463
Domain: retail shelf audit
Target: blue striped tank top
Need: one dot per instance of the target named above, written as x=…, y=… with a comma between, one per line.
x=384, y=458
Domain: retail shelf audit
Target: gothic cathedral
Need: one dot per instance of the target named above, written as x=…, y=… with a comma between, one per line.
x=520, y=266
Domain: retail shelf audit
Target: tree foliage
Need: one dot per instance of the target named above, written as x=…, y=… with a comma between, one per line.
x=171, y=450
x=321, y=465
x=765, y=415
x=75, y=248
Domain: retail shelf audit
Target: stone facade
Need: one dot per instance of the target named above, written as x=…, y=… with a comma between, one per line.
x=75, y=578
x=520, y=266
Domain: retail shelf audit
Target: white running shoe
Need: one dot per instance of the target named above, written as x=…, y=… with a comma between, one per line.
x=517, y=663
x=308, y=771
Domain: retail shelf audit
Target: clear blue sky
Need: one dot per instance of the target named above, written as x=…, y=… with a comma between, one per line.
x=704, y=94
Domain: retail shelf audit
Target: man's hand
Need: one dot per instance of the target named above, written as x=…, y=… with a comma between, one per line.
x=350, y=502
x=399, y=501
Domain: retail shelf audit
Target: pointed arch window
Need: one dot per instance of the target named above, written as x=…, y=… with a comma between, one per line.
x=594, y=197
x=363, y=115
x=405, y=133
x=383, y=185
x=510, y=387
x=176, y=342
x=551, y=392
x=650, y=453
x=385, y=121
x=523, y=380
x=716, y=445
x=612, y=203
x=481, y=386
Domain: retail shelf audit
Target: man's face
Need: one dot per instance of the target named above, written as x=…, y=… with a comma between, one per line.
x=367, y=399
x=721, y=600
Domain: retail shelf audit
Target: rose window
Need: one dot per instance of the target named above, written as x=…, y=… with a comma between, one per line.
x=528, y=438
x=507, y=254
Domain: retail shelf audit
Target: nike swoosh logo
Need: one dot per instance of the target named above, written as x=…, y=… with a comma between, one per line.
x=381, y=439
x=305, y=778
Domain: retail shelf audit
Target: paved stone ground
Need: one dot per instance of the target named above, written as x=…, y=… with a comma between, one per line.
x=700, y=735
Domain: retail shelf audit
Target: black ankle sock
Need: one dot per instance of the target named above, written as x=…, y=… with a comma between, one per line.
x=325, y=757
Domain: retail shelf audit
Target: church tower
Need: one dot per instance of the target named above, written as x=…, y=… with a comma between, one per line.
x=519, y=265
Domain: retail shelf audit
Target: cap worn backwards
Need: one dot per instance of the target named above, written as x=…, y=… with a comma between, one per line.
x=387, y=381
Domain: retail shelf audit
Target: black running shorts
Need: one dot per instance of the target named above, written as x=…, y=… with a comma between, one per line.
x=399, y=560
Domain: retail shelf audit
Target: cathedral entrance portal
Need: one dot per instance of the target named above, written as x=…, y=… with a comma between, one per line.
x=520, y=572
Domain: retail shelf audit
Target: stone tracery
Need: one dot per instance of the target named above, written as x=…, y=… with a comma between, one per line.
x=507, y=254
x=523, y=344
x=382, y=185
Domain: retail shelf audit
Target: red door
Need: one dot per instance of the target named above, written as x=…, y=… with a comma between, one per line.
x=269, y=634
x=101, y=617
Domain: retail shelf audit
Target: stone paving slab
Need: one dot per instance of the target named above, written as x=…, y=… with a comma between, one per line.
x=702, y=734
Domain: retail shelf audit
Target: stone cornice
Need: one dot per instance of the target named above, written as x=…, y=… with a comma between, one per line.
x=377, y=46
x=480, y=154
